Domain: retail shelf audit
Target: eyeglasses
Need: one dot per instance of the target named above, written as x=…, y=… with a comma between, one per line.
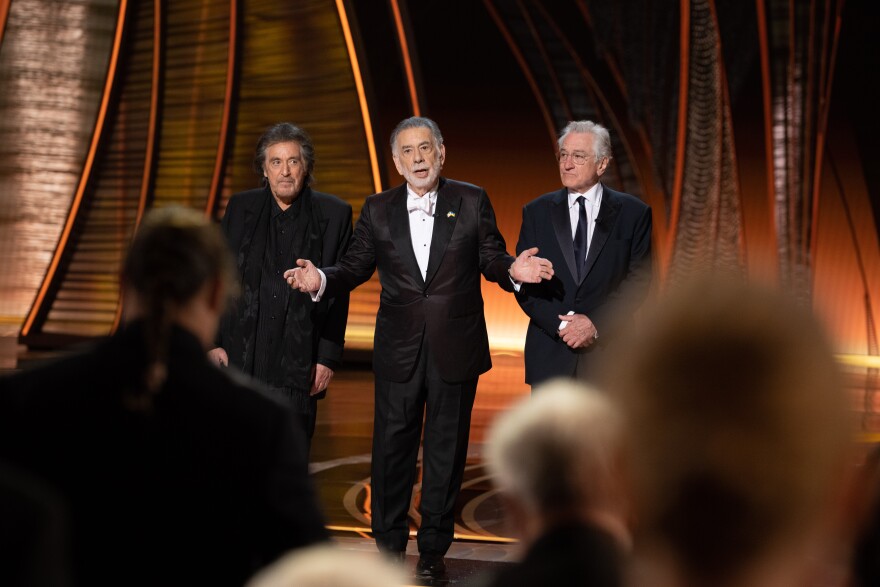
x=578, y=157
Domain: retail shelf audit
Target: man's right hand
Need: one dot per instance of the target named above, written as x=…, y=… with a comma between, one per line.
x=219, y=357
x=304, y=276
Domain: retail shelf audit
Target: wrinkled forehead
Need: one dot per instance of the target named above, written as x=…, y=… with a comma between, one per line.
x=414, y=137
x=578, y=141
x=283, y=150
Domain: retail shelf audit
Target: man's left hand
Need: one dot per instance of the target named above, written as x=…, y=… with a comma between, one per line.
x=321, y=376
x=531, y=269
x=580, y=332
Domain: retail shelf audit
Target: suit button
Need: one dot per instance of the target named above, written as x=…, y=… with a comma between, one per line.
x=426, y=295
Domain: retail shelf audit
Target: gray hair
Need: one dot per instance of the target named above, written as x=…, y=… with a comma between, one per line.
x=416, y=122
x=555, y=451
x=601, y=142
x=285, y=132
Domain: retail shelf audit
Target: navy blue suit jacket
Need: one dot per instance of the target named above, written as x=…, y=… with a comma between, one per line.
x=617, y=278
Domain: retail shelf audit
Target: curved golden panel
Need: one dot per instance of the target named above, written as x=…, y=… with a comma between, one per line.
x=295, y=66
x=53, y=64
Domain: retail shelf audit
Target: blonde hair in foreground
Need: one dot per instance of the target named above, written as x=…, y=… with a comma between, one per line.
x=329, y=566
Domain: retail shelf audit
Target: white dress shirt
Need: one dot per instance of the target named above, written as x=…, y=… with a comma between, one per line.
x=593, y=198
x=421, y=229
x=421, y=225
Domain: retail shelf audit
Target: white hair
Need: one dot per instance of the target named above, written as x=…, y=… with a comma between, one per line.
x=601, y=140
x=329, y=566
x=555, y=450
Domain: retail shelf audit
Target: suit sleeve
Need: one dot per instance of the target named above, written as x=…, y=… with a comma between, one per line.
x=534, y=298
x=494, y=260
x=633, y=289
x=332, y=337
x=358, y=263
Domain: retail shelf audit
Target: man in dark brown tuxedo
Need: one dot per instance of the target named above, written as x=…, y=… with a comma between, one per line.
x=431, y=240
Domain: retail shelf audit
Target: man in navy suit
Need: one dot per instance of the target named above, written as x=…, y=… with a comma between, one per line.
x=431, y=239
x=599, y=242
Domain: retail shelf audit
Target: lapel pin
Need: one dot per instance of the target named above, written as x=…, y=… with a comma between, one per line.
x=450, y=214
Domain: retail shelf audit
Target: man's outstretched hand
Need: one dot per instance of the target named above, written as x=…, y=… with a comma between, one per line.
x=304, y=276
x=531, y=269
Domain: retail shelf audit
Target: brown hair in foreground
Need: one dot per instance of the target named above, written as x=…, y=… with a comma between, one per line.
x=738, y=428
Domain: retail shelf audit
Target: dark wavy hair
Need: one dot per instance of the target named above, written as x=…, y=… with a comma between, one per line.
x=285, y=132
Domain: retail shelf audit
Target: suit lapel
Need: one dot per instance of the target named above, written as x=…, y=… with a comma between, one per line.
x=608, y=212
x=445, y=217
x=398, y=226
x=561, y=219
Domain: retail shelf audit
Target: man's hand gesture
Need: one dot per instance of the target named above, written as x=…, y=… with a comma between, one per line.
x=531, y=269
x=304, y=276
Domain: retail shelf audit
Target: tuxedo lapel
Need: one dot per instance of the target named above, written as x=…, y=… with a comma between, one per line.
x=561, y=220
x=608, y=212
x=398, y=226
x=445, y=218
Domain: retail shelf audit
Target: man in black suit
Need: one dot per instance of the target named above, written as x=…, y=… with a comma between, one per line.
x=276, y=335
x=599, y=241
x=431, y=240
x=172, y=471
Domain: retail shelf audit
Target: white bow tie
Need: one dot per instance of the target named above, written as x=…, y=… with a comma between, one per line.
x=422, y=203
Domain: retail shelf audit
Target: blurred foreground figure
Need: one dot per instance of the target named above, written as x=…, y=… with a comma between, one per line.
x=330, y=566
x=173, y=472
x=556, y=459
x=740, y=441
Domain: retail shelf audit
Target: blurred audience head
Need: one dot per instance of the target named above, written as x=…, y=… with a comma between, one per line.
x=555, y=458
x=329, y=566
x=178, y=270
x=738, y=430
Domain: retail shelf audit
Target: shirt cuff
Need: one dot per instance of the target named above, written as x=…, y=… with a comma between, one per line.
x=316, y=295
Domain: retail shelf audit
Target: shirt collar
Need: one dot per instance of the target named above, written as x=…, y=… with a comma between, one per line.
x=593, y=195
x=410, y=194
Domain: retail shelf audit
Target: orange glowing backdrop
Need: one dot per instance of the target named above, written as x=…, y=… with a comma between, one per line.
x=743, y=124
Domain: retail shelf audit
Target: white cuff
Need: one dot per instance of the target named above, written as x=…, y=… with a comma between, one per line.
x=316, y=295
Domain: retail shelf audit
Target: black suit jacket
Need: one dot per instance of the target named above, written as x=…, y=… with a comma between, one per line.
x=203, y=488
x=447, y=307
x=617, y=278
x=313, y=332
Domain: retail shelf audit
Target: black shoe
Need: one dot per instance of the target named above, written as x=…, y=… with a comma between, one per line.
x=431, y=567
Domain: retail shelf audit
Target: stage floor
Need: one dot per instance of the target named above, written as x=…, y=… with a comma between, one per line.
x=340, y=464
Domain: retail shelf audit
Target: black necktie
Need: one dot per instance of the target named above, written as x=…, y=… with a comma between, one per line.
x=580, y=238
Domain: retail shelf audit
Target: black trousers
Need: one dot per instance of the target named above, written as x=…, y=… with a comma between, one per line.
x=399, y=411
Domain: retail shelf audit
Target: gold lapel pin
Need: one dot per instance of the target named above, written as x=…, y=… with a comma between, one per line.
x=450, y=214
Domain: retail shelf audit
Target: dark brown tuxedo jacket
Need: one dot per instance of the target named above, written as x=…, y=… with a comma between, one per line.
x=447, y=307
